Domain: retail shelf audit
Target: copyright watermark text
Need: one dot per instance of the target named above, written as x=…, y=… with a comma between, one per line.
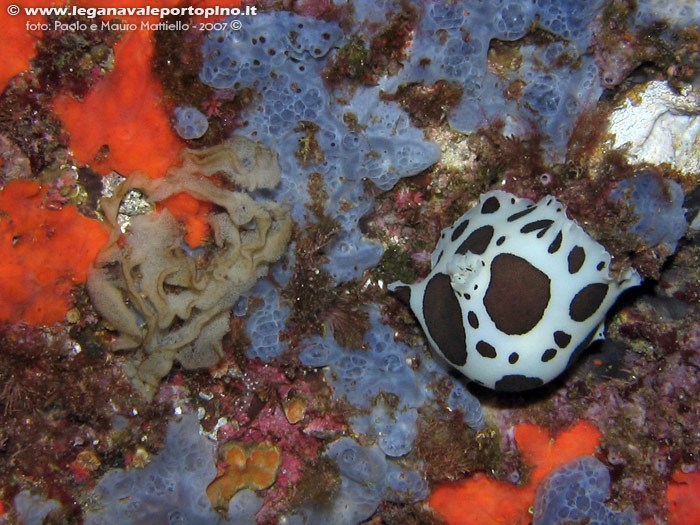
x=109, y=25
x=162, y=12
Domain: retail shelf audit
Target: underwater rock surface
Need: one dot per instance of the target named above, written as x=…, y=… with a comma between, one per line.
x=237, y=332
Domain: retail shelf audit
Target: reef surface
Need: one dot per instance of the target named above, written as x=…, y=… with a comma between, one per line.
x=200, y=213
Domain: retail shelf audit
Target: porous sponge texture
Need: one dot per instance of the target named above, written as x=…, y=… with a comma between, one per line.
x=360, y=376
x=190, y=123
x=364, y=379
x=355, y=138
x=658, y=204
x=363, y=482
x=170, y=489
x=452, y=42
x=576, y=492
x=367, y=478
x=265, y=323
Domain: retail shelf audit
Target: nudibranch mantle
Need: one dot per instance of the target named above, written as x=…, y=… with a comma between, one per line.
x=517, y=290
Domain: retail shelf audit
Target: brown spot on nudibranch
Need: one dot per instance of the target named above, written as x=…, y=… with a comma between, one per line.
x=477, y=242
x=556, y=244
x=562, y=339
x=548, y=355
x=587, y=301
x=576, y=258
x=459, y=230
x=490, y=205
x=486, y=349
x=518, y=294
x=542, y=225
x=522, y=213
x=443, y=318
x=473, y=320
x=517, y=383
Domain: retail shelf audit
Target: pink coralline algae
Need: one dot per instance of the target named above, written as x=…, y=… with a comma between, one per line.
x=257, y=415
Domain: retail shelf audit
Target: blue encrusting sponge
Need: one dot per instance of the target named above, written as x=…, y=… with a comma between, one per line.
x=576, y=493
x=658, y=204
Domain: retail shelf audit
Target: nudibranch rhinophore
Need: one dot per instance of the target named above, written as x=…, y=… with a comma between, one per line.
x=517, y=290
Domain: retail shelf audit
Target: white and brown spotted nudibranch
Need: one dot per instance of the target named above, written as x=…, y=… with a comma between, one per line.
x=517, y=290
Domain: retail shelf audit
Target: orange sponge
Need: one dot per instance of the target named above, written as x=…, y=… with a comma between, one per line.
x=252, y=466
x=683, y=496
x=44, y=253
x=193, y=213
x=480, y=500
x=122, y=125
x=18, y=39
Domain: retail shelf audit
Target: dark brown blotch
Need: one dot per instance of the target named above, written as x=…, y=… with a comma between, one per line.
x=522, y=213
x=549, y=354
x=459, y=230
x=556, y=244
x=485, y=349
x=587, y=301
x=518, y=294
x=513, y=358
x=490, y=205
x=542, y=225
x=477, y=242
x=517, y=383
x=577, y=256
x=473, y=320
x=562, y=339
x=443, y=318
